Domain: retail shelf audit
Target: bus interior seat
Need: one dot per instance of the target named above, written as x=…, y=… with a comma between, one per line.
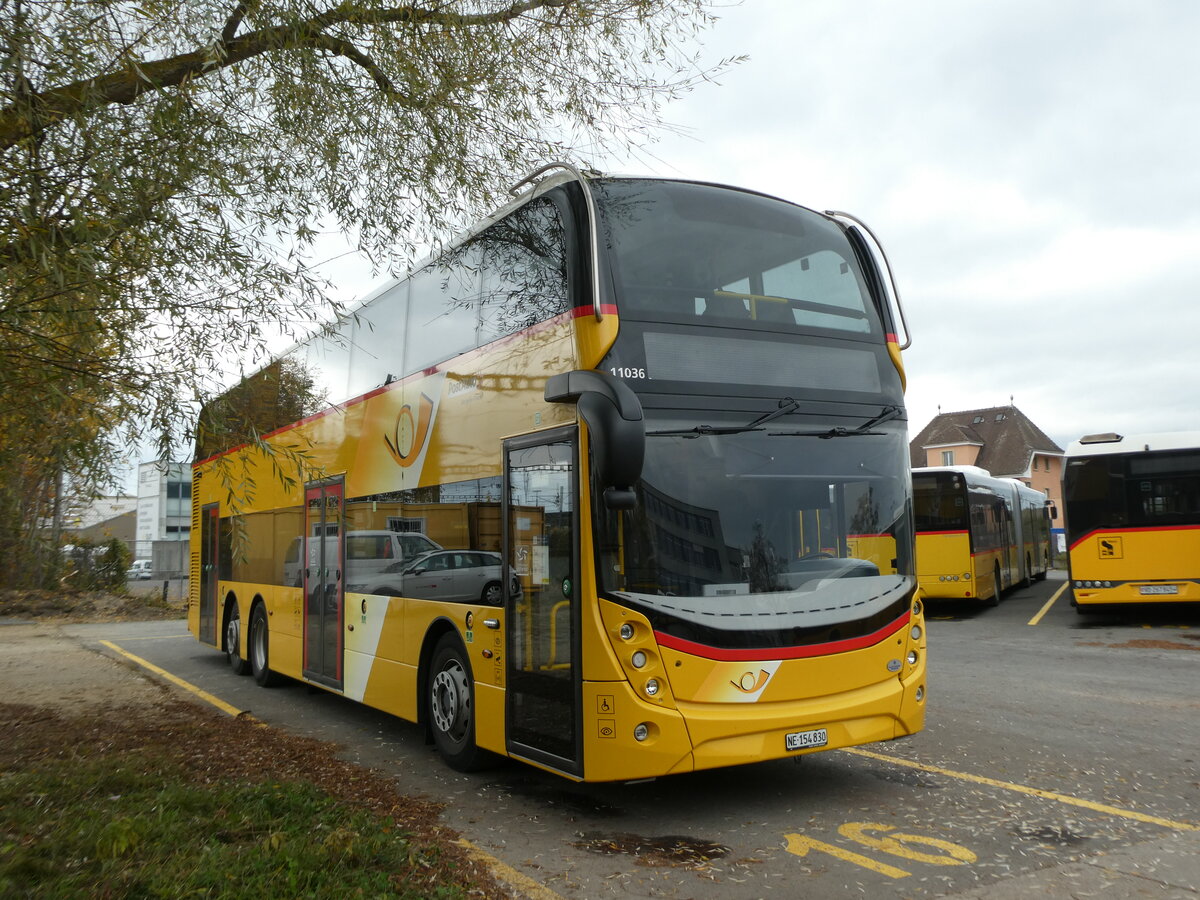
x=675, y=302
x=774, y=311
x=725, y=307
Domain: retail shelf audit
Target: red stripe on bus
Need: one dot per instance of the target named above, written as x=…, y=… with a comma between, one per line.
x=1132, y=530
x=606, y=309
x=892, y=339
x=756, y=655
x=962, y=531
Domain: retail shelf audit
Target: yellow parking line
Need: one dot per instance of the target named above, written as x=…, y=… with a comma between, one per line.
x=175, y=679
x=1033, y=792
x=1049, y=603
x=155, y=637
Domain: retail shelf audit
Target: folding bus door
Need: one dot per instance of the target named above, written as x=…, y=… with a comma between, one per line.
x=541, y=536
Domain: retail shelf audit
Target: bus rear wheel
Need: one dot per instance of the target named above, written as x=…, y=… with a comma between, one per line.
x=451, y=704
x=258, y=648
x=233, y=641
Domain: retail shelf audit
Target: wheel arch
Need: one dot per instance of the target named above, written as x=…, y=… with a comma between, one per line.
x=437, y=629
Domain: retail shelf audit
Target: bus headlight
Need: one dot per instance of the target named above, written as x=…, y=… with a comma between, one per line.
x=641, y=732
x=916, y=632
x=627, y=632
x=652, y=687
x=639, y=659
x=916, y=607
x=912, y=657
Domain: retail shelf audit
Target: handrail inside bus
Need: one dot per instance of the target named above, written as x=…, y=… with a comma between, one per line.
x=575, y=173
x=854, y=221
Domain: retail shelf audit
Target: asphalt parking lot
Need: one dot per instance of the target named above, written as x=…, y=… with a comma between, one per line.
x=1060, y=757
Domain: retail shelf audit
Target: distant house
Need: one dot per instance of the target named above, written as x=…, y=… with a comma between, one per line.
x=1001, y=439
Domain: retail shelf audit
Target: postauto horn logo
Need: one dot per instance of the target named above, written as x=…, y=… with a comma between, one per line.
x=410, y=432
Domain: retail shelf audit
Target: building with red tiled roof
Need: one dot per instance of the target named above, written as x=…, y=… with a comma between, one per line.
x=1000, y=439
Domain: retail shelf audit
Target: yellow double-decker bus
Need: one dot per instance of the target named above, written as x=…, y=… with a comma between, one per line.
x=1133, y=519
x=978, y=536
x=620, y=489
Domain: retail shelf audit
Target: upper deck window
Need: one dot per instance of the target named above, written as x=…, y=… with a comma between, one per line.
x=684, y=251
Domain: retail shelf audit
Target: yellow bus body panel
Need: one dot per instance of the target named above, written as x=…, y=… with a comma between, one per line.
x=945, y=567
x=1137, y=558
x=711, y=713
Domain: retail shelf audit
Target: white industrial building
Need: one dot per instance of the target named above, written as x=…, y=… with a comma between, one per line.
x=164, y=516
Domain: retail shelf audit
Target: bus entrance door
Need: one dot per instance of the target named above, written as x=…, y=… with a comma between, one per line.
x=208, y=573
x=541, y=529
x=324, y=587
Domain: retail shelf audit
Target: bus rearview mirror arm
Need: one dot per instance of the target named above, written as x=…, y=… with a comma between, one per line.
x=613, y=415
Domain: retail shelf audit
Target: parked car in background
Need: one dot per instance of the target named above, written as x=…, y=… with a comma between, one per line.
x=139, y=571
x=368, y=553
x=468, y=576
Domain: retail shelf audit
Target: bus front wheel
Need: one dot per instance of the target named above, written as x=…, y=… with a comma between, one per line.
x=451, y=698
x=994, y=600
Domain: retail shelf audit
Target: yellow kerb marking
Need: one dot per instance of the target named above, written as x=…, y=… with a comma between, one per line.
x=528, y=887
x=1033, y=792
x=175, y=679
x=1049, y=603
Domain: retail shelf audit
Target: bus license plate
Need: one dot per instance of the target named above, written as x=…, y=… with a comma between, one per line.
x=802, y=740
x=1159, y=589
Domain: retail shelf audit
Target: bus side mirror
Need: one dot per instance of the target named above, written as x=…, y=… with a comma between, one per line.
x=613, y=415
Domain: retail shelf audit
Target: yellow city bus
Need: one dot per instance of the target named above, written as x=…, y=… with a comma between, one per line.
x=1133, y=519
x=977, y=536
x=620, y=490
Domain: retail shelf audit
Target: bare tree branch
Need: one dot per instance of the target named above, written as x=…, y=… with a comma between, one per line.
x=38, y=111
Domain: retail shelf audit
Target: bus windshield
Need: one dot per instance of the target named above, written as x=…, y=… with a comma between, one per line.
x=682, y=251
x=1132, y=491
x=766, y=531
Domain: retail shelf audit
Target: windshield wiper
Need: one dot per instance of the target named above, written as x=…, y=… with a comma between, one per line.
x=786, y=405
x=885, y=415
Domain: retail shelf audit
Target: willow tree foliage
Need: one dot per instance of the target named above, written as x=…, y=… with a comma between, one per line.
x=166, y=164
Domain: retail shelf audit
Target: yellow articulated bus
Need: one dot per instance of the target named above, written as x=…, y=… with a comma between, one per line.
x=620, y=489
x=978, y=536
x=1133, y=519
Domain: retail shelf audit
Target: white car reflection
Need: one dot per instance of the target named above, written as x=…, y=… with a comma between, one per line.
x=460, y=575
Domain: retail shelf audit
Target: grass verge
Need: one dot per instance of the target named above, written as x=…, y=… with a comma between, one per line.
x=175, y=802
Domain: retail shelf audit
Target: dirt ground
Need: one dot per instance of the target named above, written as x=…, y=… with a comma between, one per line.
x=57, y=698
x=88, y=606
x=40, y=666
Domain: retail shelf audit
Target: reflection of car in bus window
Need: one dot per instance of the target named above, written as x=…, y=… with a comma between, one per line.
x=367, y=554
x=461, y=575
